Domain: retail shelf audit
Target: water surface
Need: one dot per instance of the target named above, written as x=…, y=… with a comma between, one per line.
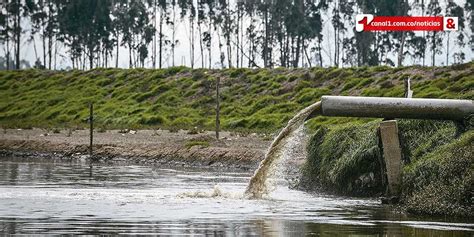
x=66, y=198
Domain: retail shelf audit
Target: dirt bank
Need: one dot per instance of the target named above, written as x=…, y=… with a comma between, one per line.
x=143, y=147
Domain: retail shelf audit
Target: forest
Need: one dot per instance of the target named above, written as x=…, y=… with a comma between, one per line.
x=248, y=33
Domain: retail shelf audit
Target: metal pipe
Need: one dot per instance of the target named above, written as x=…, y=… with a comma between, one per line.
x=393, y=107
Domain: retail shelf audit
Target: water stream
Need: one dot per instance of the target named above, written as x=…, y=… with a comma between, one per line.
x=43, y=197
x=261, y=183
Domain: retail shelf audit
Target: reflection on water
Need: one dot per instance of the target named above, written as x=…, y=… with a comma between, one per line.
x=62, y=198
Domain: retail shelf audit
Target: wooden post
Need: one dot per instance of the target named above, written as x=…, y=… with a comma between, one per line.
x=91, y=129
x=218, y=123
x=392, y=154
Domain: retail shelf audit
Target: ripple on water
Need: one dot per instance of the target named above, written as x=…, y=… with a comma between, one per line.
x=61, y=198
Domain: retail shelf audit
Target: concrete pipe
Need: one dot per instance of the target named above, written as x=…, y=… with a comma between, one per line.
x=392, y=107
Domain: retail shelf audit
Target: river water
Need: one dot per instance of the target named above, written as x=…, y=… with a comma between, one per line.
x=67, y=198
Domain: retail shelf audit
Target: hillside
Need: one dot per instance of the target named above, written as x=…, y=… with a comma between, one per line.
x=251, y=99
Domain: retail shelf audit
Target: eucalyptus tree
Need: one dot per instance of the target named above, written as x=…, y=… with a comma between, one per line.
x=85, y=26
x=415, y=47
x=14, y=12
x=133, y=23
x=366, y=42
x=38, y=19
x=338, y=25
x=52, y=26
x=469, y=6
x=119, y=11
x=453, y=9
x=239, y=30
x=201, y=20
x=272, y=32
x=391, y=41
x=279, y=26
x=172, y=22
x=70, y=30
x=304, y=23
x=250, y=7
x=347, y=10
x=5, y=31
x=207, y=36
x=263, y=8
x=188, y=8
x=227, y=26
x=102, y=29
x=219, y=26
x=313, y=27
x=164, y=18
x=434, y=37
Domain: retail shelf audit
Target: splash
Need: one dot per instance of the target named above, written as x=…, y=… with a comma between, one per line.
x=260, y=184
x=215, y=193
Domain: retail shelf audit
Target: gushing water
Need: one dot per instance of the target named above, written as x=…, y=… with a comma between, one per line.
x=142, y=200
x=259, y=184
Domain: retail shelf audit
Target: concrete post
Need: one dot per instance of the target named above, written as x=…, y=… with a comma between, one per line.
x=392, y=154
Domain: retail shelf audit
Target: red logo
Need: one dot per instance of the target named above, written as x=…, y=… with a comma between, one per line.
x=367, y=22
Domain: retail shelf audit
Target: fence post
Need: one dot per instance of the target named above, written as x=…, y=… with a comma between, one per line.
x=91, y=129
x=217, y=108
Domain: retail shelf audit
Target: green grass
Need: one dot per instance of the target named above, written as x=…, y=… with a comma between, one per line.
x=339, y=155
x=440, y=182
x=438, y=174
x=260, y=100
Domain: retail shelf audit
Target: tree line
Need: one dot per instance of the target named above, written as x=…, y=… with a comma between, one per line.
x=248, y=33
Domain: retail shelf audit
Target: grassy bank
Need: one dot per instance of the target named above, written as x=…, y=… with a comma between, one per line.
x=438, y=172
x=253, y=100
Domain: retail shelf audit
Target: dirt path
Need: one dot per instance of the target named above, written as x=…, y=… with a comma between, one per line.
x=143, y=146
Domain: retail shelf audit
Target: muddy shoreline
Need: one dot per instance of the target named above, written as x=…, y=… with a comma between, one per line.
x=144, y=147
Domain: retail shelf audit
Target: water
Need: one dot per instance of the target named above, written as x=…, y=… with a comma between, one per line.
x=261, y=182
x=63, y=198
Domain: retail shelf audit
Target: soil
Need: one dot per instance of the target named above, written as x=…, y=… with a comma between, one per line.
x=141, y=147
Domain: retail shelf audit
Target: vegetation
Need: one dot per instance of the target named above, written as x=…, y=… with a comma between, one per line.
x=437, y=175
x=345, y=159
x=259, y=100
x=441, y=181
x=237, y=33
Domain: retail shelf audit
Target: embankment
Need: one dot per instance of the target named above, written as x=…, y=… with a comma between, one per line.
x=438, y=172
x=256, y=100
x=142, y=147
